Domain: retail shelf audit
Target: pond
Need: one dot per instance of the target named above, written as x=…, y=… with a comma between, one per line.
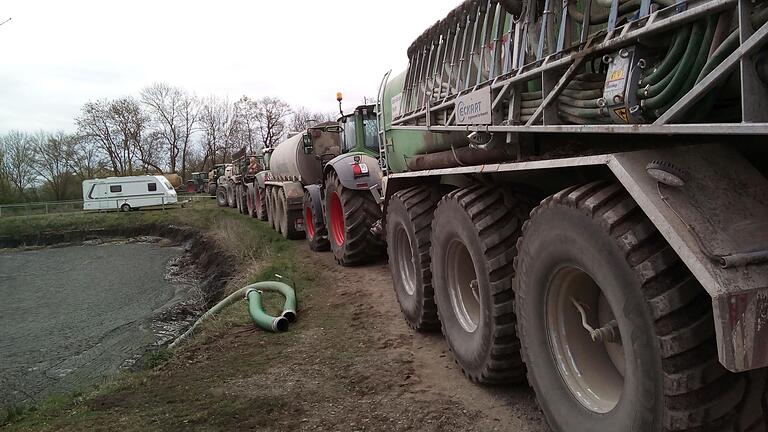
x=71, y=316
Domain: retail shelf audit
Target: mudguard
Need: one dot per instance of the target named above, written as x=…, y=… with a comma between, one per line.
x=294, y=193
x=261, y=178
x=316, y=193
x=342, y=165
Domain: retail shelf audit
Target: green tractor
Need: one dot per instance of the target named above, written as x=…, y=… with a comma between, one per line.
x=198, y=183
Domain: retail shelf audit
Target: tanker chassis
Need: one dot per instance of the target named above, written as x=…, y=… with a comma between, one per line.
x=580, y=189
x=318, y=186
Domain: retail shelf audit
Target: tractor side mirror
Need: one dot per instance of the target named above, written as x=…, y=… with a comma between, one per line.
x=308, y=147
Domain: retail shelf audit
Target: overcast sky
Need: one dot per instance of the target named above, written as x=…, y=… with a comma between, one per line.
x=55, y=55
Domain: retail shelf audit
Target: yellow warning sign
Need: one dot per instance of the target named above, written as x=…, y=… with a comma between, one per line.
x=622, y=113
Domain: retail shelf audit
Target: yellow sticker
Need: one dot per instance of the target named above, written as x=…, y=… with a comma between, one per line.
x=622, y=113
x=617, y=75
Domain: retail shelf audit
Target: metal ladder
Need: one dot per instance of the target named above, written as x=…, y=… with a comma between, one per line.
x=382, y=125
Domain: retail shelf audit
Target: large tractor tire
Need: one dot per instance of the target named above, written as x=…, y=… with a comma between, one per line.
x=238, y=198
x=221, y=197
x=351, y=214
x=314, y=225
x=409, y=230
x=260, y=202
x=243, y=199
x=472, y=275
x=288, y=218
x=270, y=195
x=251, y=200
x=231, y=195
x=590, y=257
x=212, y=189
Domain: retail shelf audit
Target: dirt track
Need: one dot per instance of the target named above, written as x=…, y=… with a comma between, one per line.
x=416, y=369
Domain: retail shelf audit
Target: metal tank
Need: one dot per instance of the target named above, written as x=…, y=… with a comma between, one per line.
x=289, y=162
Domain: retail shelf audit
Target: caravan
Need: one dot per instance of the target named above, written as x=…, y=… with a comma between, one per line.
x=127, y=193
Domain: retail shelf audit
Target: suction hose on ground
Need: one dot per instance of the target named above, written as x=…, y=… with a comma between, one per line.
x=253, y=294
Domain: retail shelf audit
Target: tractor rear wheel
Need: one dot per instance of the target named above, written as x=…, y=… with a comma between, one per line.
x=250, y=200
x=238, y=198
x=279, y=214
x=351, y=214
x=270, y=196
x=314, y=225
x=212, y=189
x=231, y=196
x=409, y=229
x=260, y=203
x=589, y=257
x=472, y=275
x=221, y=197
x=243, y=199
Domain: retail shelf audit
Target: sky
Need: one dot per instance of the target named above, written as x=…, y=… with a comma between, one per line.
x=57, y=55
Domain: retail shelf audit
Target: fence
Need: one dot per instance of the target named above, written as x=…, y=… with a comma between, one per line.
x=51, y=207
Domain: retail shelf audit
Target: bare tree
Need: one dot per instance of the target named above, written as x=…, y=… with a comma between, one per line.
x=219, y=126
x=95, y=123
x=173, y=115
x=302, y=118
x=246, y=109
x=18, y=163
x=51, y=162
x=85, y=158
x=272, y=115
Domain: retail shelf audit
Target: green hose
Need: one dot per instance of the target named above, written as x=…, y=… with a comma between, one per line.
x=654, y=89
x=268, y=322
x=600, y=18
x=670, y=60
x=258, y=316
x=680, y=76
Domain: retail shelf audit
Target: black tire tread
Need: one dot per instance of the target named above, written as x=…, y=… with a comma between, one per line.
x=361, y=211
x=699, y=394
x=420, y=203
x=498, y=216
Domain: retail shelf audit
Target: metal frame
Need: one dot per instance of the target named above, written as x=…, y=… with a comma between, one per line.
x=562, y=60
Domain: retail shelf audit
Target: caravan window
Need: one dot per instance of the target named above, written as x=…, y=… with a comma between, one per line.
x=115, y=188
x=152, y=187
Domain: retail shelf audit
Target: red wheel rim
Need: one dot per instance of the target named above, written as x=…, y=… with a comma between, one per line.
x=309, y=222
x=337, y=219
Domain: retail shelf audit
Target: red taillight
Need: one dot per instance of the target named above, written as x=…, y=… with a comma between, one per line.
x=357, y=170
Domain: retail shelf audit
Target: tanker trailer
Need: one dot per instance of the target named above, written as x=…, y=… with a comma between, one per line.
x=319, y=187
x=580, y=189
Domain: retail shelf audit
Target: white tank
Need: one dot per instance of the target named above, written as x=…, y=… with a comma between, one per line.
x=289, y=162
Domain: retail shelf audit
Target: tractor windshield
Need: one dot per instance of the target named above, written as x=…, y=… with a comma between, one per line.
x=371, y=134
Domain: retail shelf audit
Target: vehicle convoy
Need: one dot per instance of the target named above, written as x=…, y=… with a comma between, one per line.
x=580, y=189
x=318, y=186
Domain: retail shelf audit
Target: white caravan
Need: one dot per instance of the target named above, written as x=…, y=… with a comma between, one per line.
x=126, y=193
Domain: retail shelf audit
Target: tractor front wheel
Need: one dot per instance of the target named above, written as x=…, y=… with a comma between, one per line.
x=351, y=214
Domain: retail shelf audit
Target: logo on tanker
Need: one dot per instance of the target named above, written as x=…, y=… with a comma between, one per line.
x=474, y=108
x=469, y=111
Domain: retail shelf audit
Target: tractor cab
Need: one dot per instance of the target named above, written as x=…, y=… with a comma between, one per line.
x=359, y=130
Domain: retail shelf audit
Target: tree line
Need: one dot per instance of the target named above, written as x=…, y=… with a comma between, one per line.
x=164, y=129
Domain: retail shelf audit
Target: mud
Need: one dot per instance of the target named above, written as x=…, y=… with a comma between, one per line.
x=129, y=298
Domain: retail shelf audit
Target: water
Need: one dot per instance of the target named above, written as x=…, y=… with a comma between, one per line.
x=71, y=316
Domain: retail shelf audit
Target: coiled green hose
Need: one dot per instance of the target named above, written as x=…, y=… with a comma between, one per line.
x=259, y=317
x=669, y=61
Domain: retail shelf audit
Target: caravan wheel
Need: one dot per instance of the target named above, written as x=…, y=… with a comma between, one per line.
x=125, y=207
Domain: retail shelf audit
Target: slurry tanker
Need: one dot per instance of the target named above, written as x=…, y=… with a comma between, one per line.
x=576, y=192
x=318, y=186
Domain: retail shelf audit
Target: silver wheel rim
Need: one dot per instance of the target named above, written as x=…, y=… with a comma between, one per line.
x=463, y=286
x=405, y=264
x=593, y=371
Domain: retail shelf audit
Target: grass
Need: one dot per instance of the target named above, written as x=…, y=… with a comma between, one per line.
x=261, y=254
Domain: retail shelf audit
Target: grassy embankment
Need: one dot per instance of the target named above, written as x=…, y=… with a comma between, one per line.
x=175, y=387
